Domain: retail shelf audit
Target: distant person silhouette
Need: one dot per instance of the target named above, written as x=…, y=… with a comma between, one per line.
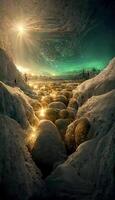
x=15, y=81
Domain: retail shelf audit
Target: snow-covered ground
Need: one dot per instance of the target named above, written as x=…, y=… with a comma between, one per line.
x=89, y=172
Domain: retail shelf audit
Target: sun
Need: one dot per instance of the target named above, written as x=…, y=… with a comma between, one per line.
x=20, y=28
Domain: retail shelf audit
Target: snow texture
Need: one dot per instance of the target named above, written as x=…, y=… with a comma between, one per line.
x=8, y=71
x=102, y=83
x=89, y=173
x=19, y=177
x=49, y=148
x=15, y=104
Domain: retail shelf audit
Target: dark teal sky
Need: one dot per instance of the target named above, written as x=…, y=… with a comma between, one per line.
x=71, y=35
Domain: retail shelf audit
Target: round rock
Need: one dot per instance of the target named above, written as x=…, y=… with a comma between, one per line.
x=48, y=149
x=59, y=105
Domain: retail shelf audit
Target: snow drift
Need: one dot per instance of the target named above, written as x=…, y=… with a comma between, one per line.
x=8, y=71
x=15, y=104
x=102, y=83
x=10, y=75
x=19, y=177
x=89, y=173
x=100, y=110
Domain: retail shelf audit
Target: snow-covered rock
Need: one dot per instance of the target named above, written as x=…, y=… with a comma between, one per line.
x=52, y=114
x=62, y=125
x=47, y=99
x=48, y=149
x=64, y=114
x=58, y=105
x=99, y=111
x=102, y=83
x=66, y=93
x=77, y=132
x=19, y=177
x=73, y=103
x=89, y=173
x=62, y=99
x=72, y=112
x=15, y=104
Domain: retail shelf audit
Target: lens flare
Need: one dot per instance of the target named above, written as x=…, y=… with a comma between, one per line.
x=23, y=70
x=53, y=94
x=42, y=112
x=31, y=138
x=20, y=28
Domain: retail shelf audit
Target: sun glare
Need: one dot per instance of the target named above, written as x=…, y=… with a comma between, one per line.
x=20, y=28
x=42, y=112
x=53, y=94
x=23, y=70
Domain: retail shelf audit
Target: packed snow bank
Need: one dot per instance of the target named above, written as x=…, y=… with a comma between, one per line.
x=15, y=104
x=19, y=177
x=102, y=83
x=100, y=110
x=8, y=71
x=89, y=173
x=10, y=75
x=48, y=150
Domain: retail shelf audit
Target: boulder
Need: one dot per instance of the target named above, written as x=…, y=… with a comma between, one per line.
x=73, y=103
x=64, y=114
x=59, y=105
x=77, y=133
x=66, y=93
x=72, y=112
x=62, y=99
x=52, y=114
x=48, y=150
x=62, y=125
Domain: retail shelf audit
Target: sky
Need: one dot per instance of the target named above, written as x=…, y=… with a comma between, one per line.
x=60, y=36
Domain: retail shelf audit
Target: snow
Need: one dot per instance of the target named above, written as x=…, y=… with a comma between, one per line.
x=8, y=71
x=9, y=74
x=19, y=177
x=15, y=104
x=102, y=83
x=88, y=173
x=100, y=110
